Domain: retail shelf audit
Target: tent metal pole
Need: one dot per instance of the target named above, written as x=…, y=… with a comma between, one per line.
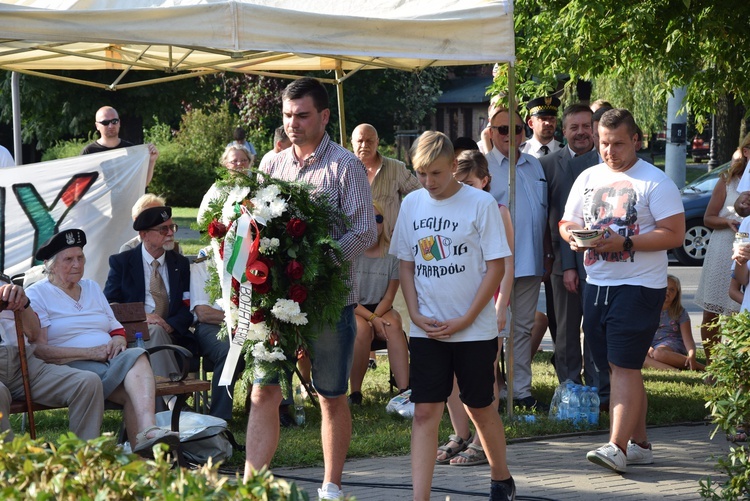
x=340, y=97
x=15, y=92
x=512, y=206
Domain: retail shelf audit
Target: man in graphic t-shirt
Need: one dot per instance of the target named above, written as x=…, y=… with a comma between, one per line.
x=640, y=212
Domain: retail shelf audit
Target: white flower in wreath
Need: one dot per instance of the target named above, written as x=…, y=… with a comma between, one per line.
x=258, y=332
x=236, y=195
x=267, y=204
x=262, y=354
x=288, y=311
x=268, y=245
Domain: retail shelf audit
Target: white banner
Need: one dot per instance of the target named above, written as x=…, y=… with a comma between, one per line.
x=91, y=192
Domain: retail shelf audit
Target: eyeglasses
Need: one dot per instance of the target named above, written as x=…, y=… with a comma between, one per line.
x=164, y=230
x=114, y=121
x=504, y=129
x=379, y=218
x=238, y=162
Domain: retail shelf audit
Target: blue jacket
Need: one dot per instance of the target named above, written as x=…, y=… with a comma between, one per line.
x=126, y=284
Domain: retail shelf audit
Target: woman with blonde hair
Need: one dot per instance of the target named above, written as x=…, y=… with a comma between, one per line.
x=722, y=218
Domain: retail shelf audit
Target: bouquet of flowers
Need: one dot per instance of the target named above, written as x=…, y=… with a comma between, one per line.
x=278, y=274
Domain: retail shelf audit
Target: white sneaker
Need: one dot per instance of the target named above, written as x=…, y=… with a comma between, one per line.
x=610, y=456
x=330, y=491
x=639, y=455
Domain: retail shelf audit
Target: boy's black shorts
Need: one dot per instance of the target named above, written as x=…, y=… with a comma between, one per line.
x=433, y=364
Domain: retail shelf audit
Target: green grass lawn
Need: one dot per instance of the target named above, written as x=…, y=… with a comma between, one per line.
x=674, y=397
x=184, y=217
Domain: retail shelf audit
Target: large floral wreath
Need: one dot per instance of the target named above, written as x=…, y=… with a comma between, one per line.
x=278, y=273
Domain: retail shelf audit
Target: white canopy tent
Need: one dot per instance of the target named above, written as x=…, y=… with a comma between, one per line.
x=187, y=38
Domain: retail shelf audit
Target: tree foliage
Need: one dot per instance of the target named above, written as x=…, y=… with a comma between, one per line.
x=699, y=44
x=52, y=110
x=635, y=92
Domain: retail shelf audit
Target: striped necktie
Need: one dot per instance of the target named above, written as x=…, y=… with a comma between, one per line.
x=158, y=291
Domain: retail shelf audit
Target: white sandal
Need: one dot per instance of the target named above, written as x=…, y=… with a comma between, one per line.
x=144, y=444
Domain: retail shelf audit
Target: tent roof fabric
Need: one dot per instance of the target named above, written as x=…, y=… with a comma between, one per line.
x=252, y=36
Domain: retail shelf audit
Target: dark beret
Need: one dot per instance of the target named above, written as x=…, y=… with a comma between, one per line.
x=543, y=106
x=61, y=241
x=149, y=218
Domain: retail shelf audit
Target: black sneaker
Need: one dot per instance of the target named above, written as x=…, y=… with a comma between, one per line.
x=500, y=491
x=531, y=403
x=372, y=364
x=355, y=398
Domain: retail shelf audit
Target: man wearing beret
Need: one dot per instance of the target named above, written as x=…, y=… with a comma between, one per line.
x=543, y=122
x=153, y=273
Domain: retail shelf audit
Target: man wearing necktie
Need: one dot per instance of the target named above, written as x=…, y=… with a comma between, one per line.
x=542, y=120
x=155, y=274
x=568, y=274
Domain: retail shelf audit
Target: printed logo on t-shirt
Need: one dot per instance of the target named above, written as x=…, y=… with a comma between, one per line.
x=435, y=247
x=613, y=207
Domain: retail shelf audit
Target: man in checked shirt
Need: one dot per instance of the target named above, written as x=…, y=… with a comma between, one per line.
x=335, y=171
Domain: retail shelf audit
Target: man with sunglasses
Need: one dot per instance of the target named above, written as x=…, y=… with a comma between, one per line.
x=108, y=124
x=158, y=276
x=533, y=249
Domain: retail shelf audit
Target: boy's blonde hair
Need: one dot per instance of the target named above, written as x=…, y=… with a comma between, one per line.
x=429, y=147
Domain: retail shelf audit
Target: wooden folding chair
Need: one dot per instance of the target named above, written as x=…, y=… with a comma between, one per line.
x=25, y=373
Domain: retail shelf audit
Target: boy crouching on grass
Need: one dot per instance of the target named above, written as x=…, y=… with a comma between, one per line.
x=450, y=240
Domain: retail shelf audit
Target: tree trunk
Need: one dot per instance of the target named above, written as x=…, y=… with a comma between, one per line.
x=729, y=124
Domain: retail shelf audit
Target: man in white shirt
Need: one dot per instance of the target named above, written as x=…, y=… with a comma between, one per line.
x=543, y=122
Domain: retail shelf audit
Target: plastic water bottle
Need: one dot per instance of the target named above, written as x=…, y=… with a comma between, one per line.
x=299, y=406
x=554, y=407
x=585, y=404
x=574, y=405
x=139, y=341
x=594, y=402
x=564, y=412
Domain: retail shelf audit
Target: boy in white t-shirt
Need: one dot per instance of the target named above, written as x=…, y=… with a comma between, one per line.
x=450, y=240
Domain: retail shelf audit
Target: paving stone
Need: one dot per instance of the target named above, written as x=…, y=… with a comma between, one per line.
x=550, y=468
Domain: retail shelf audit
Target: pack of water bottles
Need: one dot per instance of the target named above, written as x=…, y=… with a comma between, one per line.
x=576, y=403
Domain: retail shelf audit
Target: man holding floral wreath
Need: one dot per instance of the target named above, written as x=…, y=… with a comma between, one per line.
x=337, y=174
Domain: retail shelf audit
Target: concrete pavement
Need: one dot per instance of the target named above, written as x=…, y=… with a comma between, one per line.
x=550, y=468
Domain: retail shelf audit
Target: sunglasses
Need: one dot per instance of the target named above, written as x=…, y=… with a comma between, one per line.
x=164, y=230
x=114, y=121
x=504, y=129
x=379, y=218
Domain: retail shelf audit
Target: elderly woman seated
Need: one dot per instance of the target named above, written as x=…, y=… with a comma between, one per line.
x=79, y=329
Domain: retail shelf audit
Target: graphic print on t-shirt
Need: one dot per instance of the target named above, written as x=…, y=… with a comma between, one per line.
x=435, y=247
x=614, y=207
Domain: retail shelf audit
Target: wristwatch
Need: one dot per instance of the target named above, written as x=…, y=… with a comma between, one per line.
x=627, y=244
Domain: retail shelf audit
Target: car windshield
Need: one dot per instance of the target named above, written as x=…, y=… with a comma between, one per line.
x=707, y=181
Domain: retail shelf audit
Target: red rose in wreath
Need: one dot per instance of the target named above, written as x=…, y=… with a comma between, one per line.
x=257, y=317
x=262, y=288
x=298, y=293
x=217, y=229
x=294, y=270
x=296, y=227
